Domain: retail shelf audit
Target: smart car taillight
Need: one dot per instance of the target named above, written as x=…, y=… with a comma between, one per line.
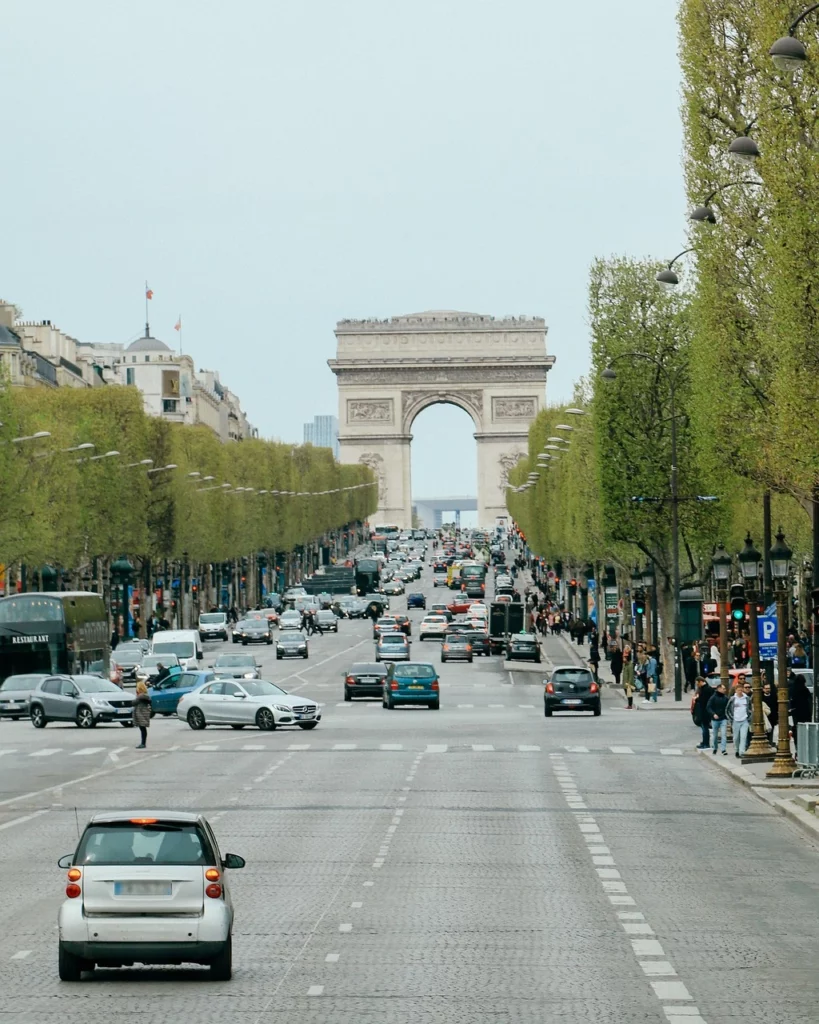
x=72, y=890
x=212, y=875
x=214, y=891
x=74, y=874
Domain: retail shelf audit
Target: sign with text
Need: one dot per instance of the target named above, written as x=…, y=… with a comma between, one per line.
x=768, y=634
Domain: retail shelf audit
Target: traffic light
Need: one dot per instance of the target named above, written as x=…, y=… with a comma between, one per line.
x=738, y=604
x=572, y=583
x=639, y=602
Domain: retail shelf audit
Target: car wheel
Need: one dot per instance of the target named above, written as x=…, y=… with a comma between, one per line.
x=15, y=718
x=221, y=967
x=70, y=967
x=306, y=654
x=435, y=705
x=38, y=718
x=269, y=641
x=347, y=695
x=443, y=660
x=244, y=643
x=85, y=717
x=265, y=719
x=307, y=725
x=128, y=725
x=279, y=656
x=470, y=659
x=390, y=704
x=547, y=711
x=597, y=711
x=196, y=719
x=235, y=725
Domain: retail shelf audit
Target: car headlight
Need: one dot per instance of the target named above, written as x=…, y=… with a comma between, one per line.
x=249, y=675
x=99, y=702
x=281, y=707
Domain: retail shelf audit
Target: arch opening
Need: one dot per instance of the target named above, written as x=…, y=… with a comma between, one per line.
x=444, y=464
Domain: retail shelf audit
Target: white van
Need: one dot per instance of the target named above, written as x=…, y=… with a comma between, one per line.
x=184, y=643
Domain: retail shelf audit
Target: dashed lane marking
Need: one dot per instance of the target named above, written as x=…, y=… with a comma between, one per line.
x=87, y=750
x=621, y=750
x=46, y=752
x=22, y=820
x=23, y=953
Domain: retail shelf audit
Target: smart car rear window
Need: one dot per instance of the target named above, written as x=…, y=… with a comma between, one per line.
x=155, y=843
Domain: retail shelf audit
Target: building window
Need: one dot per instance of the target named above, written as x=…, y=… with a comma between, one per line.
x=133, y=359
x=169, y=404
x=129, y=375
x=147, y=359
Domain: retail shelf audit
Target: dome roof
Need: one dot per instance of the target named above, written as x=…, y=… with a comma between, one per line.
x=148, y=344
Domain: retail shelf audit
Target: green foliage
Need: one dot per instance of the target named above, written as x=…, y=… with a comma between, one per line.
x=68, y=508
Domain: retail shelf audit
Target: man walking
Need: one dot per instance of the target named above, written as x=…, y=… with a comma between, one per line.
x=616, y=664
x=716, y=710
x=704, y=695
x=739, y=715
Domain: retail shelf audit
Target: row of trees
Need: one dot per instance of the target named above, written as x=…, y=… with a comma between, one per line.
x=67, y=508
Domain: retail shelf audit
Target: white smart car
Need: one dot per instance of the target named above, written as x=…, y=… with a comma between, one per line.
x=146, y=887
x=434, y=626
x=247, y=702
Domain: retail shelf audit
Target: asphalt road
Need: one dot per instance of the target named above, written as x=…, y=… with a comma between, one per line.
x=477, y=864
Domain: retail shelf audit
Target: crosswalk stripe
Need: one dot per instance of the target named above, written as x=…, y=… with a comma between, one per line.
x=7, y=752
x=254, y=746
x=46, y=752
x=466, y=705
x=524, y=748
x=526, y=705
x=87, y=750
x=391, y=746
x=621, y=750
x=437, y=748
x=497, y=705
x=345, y=746
x=482, y=746
x=671, y=751
x=299, y=746
x=577, y=750
x=206, y=746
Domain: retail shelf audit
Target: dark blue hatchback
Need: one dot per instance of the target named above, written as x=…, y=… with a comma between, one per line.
x=416, y=601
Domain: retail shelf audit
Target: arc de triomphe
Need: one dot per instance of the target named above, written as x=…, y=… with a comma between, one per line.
x=390, y=370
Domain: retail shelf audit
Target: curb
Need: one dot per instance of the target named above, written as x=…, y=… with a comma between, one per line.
x=770, y=793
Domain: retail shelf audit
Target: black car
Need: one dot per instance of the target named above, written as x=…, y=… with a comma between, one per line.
x=253, y=631
x=523, y=647
x=571, y=689
x=364, y=679
x=327, y=620
x=479, y=641
x=291, y=645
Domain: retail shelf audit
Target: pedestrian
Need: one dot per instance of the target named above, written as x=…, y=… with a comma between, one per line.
x=652, y=676
x=162, y=673
x=317, y=626
x=616, y=664
x=714, y=657
x=716, y=711
x=770, y=709
x=604, y=643
x=641, y=673
x=142, y=713
x=700, y=711
x=114, y=639
x=594, y=661
x=628, y=677
x=738, y=713
x=799, y=658
x=690, y=670
x=801, y=707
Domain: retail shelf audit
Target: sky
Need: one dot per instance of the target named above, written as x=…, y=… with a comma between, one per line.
x=273, y=166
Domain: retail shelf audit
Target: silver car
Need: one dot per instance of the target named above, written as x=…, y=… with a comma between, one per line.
x=15, y=694
x=84, y=700
x=251, y=702
x=392, y=647
x=146, y=887
x=237, y=666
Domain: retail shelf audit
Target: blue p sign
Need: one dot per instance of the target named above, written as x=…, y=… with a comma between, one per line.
x=767, y=629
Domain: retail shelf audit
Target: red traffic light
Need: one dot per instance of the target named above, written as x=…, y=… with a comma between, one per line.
x=573, y=583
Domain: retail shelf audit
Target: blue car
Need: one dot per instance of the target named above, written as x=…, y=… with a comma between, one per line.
x=416, y=601
x=170, y=691
x=411, y=682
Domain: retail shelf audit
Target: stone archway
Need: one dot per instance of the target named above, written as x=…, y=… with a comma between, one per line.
x=389, y=371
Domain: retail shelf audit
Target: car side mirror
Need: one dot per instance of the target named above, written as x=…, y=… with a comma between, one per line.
x=241, y=695
x=233, y=861
x=66, y=860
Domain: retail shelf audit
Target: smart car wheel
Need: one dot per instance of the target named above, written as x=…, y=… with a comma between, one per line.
x=38, y=718
x=265, y=719
x=70, y=967
x=85, y=717
x=221, y=967
x=196, y=720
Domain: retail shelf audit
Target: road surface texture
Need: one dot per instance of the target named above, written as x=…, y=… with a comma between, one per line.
x=479, y=864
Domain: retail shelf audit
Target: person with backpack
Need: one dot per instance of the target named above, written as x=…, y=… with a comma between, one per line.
x=716, y=710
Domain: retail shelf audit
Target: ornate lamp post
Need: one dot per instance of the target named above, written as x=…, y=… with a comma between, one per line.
x=636, y=583
x=121, y=574
x=750, y=564
x=648, y=581
x=722, y=574
x=784, y=764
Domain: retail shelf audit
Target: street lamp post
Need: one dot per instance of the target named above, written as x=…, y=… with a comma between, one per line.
x=722, y=574
x=780, y=555
x=636, y=583
x=750, y=564
x=648, y=584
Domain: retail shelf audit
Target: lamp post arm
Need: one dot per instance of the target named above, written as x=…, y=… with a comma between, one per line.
x=732, y=184
x=795, y=25
x=677, y=257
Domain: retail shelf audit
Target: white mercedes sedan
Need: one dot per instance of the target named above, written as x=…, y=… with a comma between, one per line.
x=247, y=702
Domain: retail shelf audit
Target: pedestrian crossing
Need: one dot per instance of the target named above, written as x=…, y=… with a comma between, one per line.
x=430, y=748
x=494, y=707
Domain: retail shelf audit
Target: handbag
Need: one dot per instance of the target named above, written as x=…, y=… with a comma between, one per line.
x=652, y=686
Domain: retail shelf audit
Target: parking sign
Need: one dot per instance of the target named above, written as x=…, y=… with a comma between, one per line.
x=767, y=633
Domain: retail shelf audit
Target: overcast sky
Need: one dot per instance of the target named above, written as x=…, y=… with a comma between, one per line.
x=273, y=166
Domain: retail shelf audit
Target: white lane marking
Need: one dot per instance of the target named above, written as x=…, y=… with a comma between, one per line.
x=647, y=947
x=622, y=901
x=315, y=990
x=206, y=746
x=526, y=748
x=578, y=750
x=631, y=917
x=666, y=990
x=398, y=812
x=113, y=755
x=254, y=746
x=636, y=928
x=357, y=905
x=657, y=969
x=87, y=750
x=466, y=705
x=437, y=748
x=299, y=746
x=482, y=747
x=345, y=927
x=603, y=861
x=45, y=752
x=681, y=1011
x=527, y=706
x=345, y=746
x=496, y=705
x=607, y=873
x=391, y=746
x=621, y=750
x=370, y=882
x=671, y=751
x=591, y=828
x=22, y=954
x=613, y=886
x=7, y=752
x=332, y=958
x=601, y=850
x=24, y=818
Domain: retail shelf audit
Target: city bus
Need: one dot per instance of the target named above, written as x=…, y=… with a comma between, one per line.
x=64, y=633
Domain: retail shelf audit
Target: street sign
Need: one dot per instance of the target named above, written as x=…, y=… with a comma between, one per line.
x=767, y=633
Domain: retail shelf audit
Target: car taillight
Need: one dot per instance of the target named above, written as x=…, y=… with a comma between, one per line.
x=212, y=875
x=550, y=688
x=74, y=874
x=72, y=890
x=214, y=891
x=435, y=684
x=393, y=686
x=593, y=688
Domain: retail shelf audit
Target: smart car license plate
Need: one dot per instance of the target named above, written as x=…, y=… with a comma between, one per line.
x=571, y=702
x=143, y=889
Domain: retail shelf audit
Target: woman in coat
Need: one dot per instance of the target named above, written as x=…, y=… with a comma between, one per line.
x=628, y=677
x=801, y=702
x=616, y=664
x=142, y=713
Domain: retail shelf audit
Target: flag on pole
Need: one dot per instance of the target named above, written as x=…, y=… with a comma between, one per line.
x=178, y=325
x=149, y=294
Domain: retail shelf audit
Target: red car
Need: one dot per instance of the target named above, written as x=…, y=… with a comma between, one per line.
x=460, y=605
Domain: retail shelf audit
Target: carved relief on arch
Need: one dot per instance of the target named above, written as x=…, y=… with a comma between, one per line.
x=508, y=461
x=414, y=402
x=376, y=464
